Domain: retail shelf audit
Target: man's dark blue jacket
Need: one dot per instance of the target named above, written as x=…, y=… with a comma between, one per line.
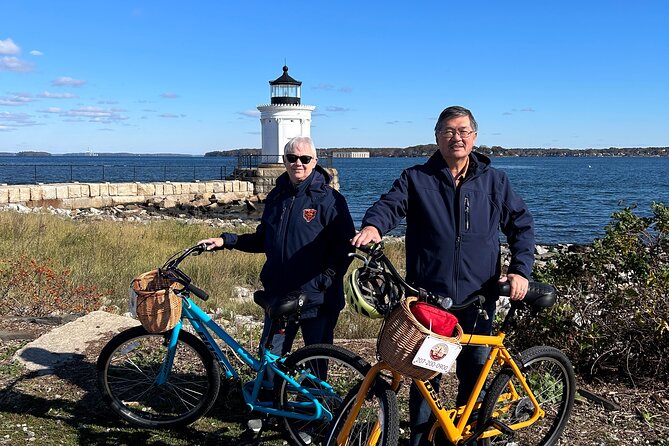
x=452, y=235
x=305, y=233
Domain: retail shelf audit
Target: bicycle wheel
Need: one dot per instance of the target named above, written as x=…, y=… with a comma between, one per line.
x=127, y=369
x=549, y=374
x=341, y=369
x=377, y=422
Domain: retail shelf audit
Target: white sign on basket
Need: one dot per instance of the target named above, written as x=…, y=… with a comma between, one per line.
x=436, y=354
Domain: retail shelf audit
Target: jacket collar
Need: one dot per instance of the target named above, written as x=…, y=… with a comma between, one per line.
x=477, y=163
x=313, y=184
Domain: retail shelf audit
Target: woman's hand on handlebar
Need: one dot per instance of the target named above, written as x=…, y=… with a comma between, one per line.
x=212, y=243
x=368, y=234
x=519, y=285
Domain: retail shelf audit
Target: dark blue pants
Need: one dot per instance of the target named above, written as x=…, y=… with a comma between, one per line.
x=317, y=328
x=468, y=367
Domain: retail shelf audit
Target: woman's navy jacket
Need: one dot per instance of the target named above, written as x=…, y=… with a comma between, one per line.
x=452, y=235
x=305, y=233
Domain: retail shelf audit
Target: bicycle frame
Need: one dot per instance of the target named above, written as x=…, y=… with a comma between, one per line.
x=453, y=422
x=203, y=325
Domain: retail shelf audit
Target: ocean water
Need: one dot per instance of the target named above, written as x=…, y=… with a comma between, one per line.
x=571, y=198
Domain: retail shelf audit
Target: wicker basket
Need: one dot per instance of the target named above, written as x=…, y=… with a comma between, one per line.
x=402, y=336
x=158, y=306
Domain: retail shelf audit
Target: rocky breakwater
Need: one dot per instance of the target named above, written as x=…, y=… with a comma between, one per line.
x=228, y=214
x=102, y=195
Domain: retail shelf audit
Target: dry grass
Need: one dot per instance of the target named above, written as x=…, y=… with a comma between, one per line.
x=108, y=254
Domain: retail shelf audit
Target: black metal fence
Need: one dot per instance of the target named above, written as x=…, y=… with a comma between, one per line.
x=63, y=173
x=181, y=170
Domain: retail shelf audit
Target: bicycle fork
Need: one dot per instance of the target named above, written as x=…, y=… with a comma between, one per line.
x=166, y=366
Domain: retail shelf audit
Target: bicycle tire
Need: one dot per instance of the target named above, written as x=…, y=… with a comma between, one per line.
x=380, y=406
x=126, y=372
x=341, y=368
x=550, y=375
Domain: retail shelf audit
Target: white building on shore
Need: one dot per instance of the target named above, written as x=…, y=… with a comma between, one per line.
x=351, y=154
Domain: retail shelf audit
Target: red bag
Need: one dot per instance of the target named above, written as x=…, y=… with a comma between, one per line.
x=433, y=318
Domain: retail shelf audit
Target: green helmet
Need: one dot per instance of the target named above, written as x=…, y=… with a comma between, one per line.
x=370, y=293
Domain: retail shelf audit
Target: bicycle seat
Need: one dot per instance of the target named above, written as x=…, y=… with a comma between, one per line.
x=278, y=307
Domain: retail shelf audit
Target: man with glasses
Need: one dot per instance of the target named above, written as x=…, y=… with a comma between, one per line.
x=304, y=232
x=454, y=205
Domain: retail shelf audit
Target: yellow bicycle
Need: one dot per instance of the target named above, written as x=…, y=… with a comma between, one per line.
x=524, y=399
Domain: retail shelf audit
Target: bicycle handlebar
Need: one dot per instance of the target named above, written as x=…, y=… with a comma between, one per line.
x=538, y=294
x=171, y=269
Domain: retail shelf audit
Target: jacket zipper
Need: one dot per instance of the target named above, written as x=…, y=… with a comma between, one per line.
x=466, y=213
x=285, y=216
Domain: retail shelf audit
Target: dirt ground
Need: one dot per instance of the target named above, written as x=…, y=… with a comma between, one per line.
x=636, y=416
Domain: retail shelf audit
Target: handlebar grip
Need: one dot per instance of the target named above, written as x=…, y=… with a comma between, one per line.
x=538, y=294
x=197, y=291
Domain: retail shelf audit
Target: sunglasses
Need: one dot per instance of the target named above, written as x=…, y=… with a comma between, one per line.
x=304, y=159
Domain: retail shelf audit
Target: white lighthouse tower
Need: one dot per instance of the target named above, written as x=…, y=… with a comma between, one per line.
x=284, y=118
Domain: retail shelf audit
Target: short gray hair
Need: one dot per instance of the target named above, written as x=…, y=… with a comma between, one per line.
x=455, y=111
x=290, y=145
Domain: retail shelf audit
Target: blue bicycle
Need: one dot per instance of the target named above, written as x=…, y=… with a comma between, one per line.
x=171, y=379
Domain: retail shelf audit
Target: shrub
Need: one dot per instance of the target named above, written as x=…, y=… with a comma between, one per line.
x=612, y=316
x=32, y=288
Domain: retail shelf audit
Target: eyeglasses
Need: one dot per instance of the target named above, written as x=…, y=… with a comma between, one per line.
x=449, y=133
x=292, y=158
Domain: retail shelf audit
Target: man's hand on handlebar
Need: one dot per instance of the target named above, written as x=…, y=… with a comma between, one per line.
x=368, y=234
x=518, y=284
x=212, y=243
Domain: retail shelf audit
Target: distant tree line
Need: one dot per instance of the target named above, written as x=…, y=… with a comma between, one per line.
x=428, y=149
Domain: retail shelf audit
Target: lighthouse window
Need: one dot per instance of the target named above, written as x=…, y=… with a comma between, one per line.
x=283, y=91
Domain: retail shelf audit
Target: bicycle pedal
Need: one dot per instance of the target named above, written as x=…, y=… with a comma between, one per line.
x=254, y=425
x=306, y=438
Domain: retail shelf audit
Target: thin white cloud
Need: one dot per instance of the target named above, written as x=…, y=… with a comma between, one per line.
x=334, y=108
x=16, y=99
x=67, y=81
x=107, y=102
x=94, y=114
x=330, y=87
x=36, y=53
x=528, y=109
x=169, y=95
x=51, y=110
x=50, y=95
x=10, y=63
x=12, y=121
x=8, y=47
x=322, y=86
x=250, y=113
x=171, y=115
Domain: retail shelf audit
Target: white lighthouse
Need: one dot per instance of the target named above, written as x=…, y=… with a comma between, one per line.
x=284, y=118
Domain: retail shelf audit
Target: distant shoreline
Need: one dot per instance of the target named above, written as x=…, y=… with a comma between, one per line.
x=407, y=152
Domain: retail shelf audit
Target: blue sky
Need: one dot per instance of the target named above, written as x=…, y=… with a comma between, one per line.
x=186, y=77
